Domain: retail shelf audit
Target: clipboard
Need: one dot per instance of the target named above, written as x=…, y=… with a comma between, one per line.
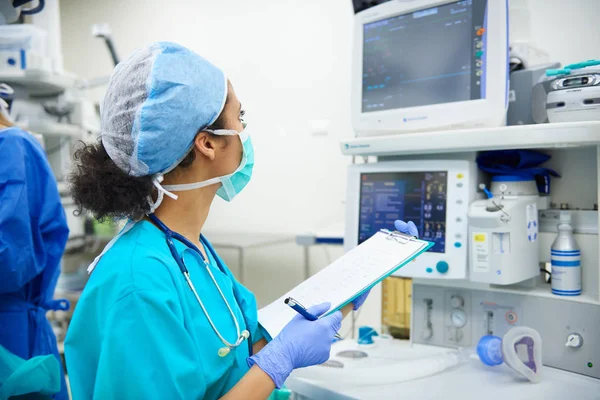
x=347, y=277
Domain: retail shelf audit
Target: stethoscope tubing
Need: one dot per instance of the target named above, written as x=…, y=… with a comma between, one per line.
x=170, y=235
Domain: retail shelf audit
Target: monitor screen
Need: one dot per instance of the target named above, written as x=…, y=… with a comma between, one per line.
x=410, y=196
x=362, y=5
x=431, y=56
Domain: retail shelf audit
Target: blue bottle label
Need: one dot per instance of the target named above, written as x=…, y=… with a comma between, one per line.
x=566, y=272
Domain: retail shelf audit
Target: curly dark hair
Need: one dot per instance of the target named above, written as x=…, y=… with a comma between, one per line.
x=99, y=186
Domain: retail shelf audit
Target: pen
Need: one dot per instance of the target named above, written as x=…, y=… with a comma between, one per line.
x=299, y=308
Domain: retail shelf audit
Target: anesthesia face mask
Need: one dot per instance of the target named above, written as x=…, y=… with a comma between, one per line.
x=520, y=348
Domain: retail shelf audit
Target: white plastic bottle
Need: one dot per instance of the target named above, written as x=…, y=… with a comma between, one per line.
x=565, y=258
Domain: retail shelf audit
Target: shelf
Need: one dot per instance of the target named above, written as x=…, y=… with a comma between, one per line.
x=540, y=289
x=39, y=82
x=49, y=128
x=545, y=291
x=541, y=136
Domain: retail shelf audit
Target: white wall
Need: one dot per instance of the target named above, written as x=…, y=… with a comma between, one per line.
x=567, y=30
x=290, y=62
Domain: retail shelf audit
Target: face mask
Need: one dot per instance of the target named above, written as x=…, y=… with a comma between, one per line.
x=231, y=184
x=520, y=349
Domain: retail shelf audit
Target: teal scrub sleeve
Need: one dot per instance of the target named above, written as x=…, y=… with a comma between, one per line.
x=37, y=377
x=147, y=353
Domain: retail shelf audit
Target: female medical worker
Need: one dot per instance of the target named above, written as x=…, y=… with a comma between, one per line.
x=162, y=316
x=33, y=234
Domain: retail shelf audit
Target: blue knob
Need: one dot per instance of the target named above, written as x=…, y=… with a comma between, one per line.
x=365, y=335
x=442, y=267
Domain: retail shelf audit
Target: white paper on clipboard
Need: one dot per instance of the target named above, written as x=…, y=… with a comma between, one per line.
x=347, y=277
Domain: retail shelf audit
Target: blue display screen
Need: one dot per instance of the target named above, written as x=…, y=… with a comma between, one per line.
x=410, y=196
x=430, y=56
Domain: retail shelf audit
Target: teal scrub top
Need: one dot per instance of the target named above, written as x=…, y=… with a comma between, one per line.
x=138, y=331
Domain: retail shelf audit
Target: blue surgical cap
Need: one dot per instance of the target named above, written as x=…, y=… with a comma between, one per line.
x=156, y=102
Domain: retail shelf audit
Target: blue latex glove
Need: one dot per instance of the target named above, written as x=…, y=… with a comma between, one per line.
x=359, y=300
x=408, y=228
x=301, y=343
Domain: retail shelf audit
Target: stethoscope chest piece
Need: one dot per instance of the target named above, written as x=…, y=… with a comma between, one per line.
x=223, y=351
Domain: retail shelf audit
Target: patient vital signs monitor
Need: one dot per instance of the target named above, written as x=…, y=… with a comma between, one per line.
x=434, y=194
x=410, y=196
x=429, y=64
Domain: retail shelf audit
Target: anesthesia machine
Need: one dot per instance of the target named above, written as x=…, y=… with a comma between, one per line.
x=429, y=101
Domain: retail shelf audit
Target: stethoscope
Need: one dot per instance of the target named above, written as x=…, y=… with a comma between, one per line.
x=170, y=235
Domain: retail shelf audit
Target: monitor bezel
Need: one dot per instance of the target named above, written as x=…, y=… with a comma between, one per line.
x=479, y=113
x=460, y=192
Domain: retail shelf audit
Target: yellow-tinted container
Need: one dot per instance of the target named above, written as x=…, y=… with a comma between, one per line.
x=396, y=298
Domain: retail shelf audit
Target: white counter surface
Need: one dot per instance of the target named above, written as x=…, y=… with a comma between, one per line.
x=469, y=381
